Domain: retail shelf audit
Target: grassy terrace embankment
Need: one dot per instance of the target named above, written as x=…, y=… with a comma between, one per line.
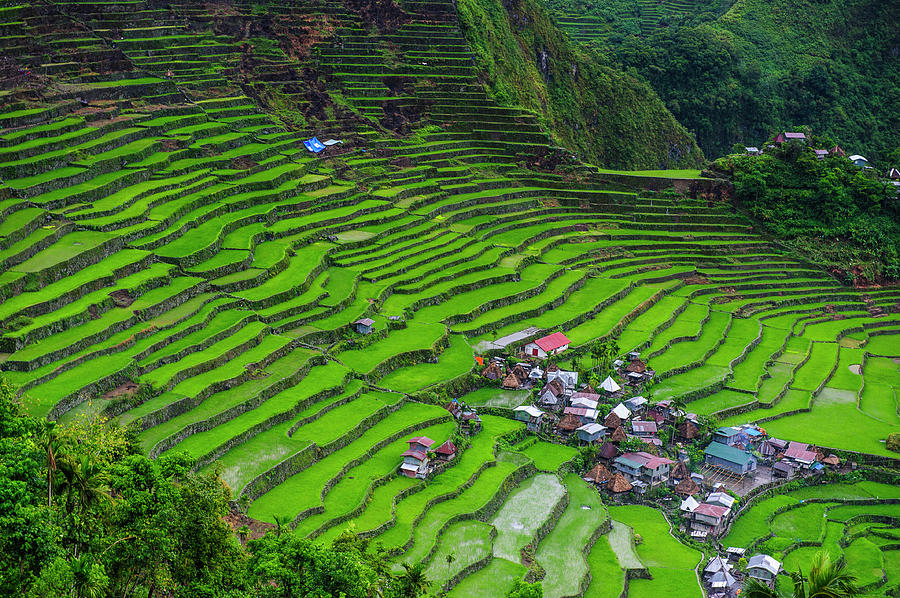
x=173, y=257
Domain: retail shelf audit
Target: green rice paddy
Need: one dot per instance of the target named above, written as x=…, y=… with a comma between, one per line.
x=175, y=237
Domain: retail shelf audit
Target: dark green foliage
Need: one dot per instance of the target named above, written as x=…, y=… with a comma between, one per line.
x=841, y=217
x=735, y=74
x=893, y=442
x=526, y=590
x=606, y=116
x=83, y=515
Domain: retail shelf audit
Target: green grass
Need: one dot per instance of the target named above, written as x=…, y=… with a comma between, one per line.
x=496, y=397
x=523, y=513
x=670, y=562
x=494, y=580
x=455, y=360
x=549, y=456
x=754, y=523
x=292, y=496
x=414, y=337
x=607, y=576
x=467, y=542
x=560, y=552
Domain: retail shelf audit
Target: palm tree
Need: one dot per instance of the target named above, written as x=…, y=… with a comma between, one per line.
x=85, y=482
x=51, y=443
x=413, y=582
x=826, y=579
x=280, y=522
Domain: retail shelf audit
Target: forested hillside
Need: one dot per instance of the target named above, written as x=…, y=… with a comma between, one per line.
x=609, y=117
x=735, y=73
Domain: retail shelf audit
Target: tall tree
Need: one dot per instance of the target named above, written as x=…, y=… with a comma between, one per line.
x=826, y=579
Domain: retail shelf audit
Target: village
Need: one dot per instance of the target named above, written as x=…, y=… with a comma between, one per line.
x=782, y=138
x=640, y=451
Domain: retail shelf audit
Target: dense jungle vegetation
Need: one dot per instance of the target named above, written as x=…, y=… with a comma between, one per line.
x=84, y=514
x=735, y=72
x=843, y=218
x=608, y=117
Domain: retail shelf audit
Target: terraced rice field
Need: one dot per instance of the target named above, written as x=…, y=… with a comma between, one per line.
x=173, y=257
x=858, y=522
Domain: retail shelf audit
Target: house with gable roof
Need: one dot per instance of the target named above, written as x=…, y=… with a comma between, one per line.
x=531, y=415
x=415, y=459
x=763, y=567
x=544, y=347
x=644, y=467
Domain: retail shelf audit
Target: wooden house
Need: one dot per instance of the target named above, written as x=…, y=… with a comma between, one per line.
x=730, y=458
x=710, y=519
x=644, y=467
x=532, y=416
x=415, y=459
x=591, y=432
x=763, y=567
x=788, y=136
x=364, y=325
x=446, y=452
x=552, y=394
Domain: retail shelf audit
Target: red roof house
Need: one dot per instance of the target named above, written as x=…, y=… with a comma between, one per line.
x=551, y=344
x=446, y=451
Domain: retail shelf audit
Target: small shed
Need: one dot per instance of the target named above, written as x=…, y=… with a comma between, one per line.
x=720, y=498
x=619, y=484
x=859, y=161
x=494, y=371
x=609, y=386
x=608, y=451
x=582, y=402
x=622, y=411
x=612, y=420
x=636, y=403
x=689, y=504
x=787, y=136
x=446, y=452
x=510, y=381
x=529, y=414
x=643, y=428
x=364, y=325
x=618, y=435
x=782, y=469
x=598, y=475
x=763, y=567
x=569, y=380
x=687, y=487
x=568, y=424
x=591, y=432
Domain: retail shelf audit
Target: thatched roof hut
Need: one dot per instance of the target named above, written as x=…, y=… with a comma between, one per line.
x=619, y=484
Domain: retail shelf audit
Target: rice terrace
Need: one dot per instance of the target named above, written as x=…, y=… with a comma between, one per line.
x=342, y=298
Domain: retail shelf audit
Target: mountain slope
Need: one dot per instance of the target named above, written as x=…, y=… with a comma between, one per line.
x=763, y=65
x=609, y=117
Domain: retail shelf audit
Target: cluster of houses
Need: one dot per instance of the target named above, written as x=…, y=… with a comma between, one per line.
x=893, y=175
x=419, y=460
x=738, y=450
x=723, y=580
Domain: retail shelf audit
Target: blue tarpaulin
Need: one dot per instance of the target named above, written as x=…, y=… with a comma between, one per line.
x=314, y=145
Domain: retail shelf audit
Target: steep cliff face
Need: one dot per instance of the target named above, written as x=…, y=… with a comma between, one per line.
x=608, y=117
x=735, y=71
